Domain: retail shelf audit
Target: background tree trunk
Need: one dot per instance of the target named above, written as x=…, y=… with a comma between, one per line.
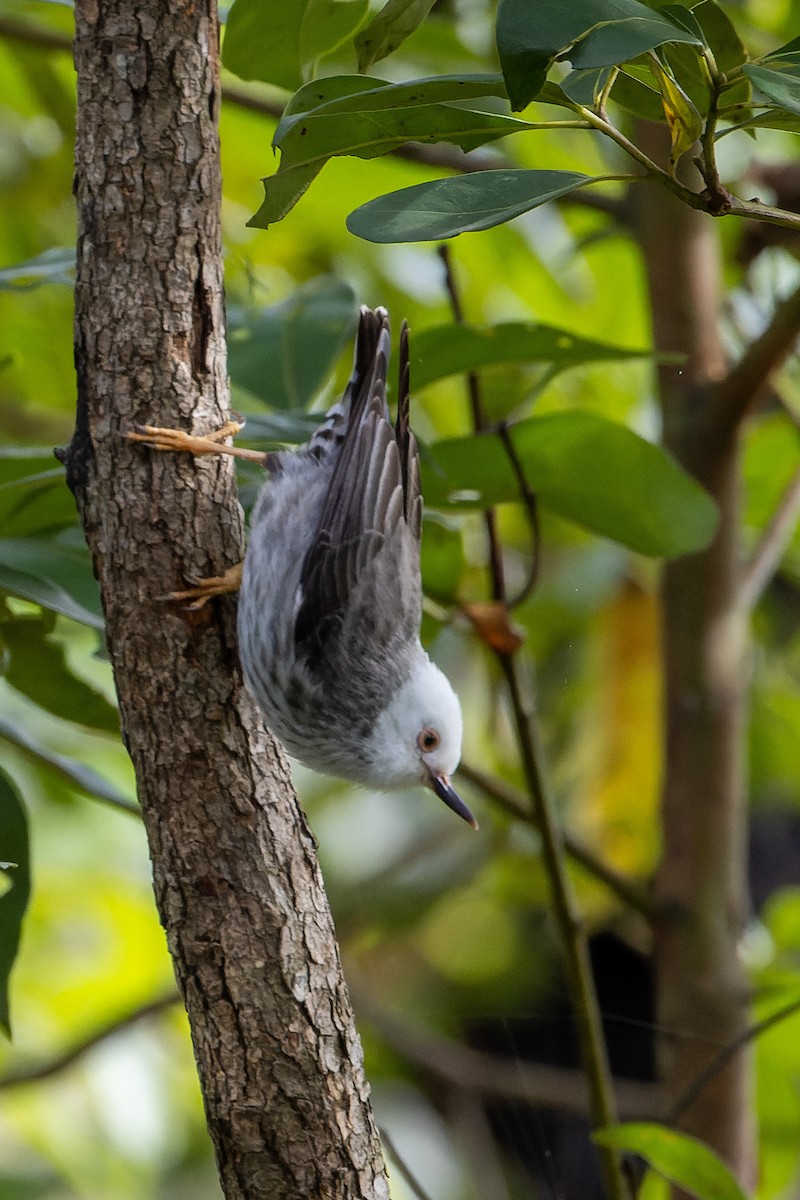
x=235, y=872
x=701, y=883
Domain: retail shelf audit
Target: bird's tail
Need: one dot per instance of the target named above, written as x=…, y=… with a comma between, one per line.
x=366, y=385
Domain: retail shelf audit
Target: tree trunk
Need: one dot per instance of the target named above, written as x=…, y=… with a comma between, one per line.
x=235, y=872
x=701, y=881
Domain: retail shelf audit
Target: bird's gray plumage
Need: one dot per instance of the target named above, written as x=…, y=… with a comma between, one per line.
x=331, y=600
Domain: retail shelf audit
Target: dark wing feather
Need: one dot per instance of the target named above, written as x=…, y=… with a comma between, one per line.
x=374, y=489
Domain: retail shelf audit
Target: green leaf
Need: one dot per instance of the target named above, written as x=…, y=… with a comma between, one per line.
x=33, y=493
x=82, y=778
x=282, y=354
x=782, y=86
x=372, y=122
x=464, y=204
x=720, y=35
x=51, y=266
x=280, y=41
x=396, y=21
x=682, y=1159
x=684, y=121
x=53, y=573
x=13, y=903
x=450, y=349
x=591, y=470
x=279, y=429
x=37, y=667
x=590, y=33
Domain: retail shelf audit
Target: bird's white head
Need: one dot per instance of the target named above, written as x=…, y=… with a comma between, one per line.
x=417, y=738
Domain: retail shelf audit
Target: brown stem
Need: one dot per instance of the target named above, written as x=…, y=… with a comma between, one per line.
x=567, y=916
x=766, y=557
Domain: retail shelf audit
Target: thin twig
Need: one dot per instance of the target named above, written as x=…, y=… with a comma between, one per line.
x=734, y=396
x=587, y=1011
x=724, y=1056
x=402, y=1166
x=766, y=557
x=515, y=803
x=496, y=566
x=55, y=1066
x=532, y=511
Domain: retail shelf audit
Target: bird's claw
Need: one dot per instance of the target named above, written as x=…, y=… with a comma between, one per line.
x=203, y=590
x=176, y=441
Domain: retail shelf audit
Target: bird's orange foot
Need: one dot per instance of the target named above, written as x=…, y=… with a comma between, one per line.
x=176, y=440
x=203, y=590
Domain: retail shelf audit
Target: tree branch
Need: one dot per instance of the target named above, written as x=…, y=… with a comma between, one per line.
x=766, y=557
x=54, y=1066
x=734, y=397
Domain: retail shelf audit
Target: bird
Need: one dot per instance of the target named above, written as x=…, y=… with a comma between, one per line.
x=330, y=598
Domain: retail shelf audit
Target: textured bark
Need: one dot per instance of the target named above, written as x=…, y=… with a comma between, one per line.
x=701, y=880
x=235, y=872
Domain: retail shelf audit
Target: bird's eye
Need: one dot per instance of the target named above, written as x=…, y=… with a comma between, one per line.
x=428, y=740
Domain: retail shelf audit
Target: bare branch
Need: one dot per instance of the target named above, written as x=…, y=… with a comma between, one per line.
x=735, y=396
x=769, y=551
x=55, y=1066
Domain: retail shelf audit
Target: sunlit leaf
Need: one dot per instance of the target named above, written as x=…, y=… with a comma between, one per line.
x=278, y=41
x=36, y=666
x=463, y=204
x=684, y=121
x=594, y=471
x=14, y=902
x=53, y=573
x=449, y=349
x=370, y=122
x=282, y=354
x=76, y=774
x=590, y=33
x=682, y=1159
x=396, y=21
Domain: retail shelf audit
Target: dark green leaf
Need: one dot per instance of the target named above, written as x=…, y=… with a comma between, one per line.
x=584, y=467
x=282, y=354
x=782, y=86
x=776, y=118
x=637, y=96
x=370, y=123
x=792, y=47
x=442, y=559
x=53, y=573
x=14, y=902
x=450, y=349
x=37, y=667
x=720, y=35
x=33, y=493
x=76, y=774
x=679, y=1158
x=585, y=87
x=280, y=428
x=279, y=41
x=463, y=204
x=396, y=21
x=591, y=33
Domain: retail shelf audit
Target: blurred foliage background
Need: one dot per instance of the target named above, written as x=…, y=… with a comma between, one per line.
x=441, y=930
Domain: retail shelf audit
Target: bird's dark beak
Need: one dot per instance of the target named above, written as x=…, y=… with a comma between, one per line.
x=445, y=791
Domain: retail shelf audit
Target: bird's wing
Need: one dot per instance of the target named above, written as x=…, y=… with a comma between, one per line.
x=373, y=500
